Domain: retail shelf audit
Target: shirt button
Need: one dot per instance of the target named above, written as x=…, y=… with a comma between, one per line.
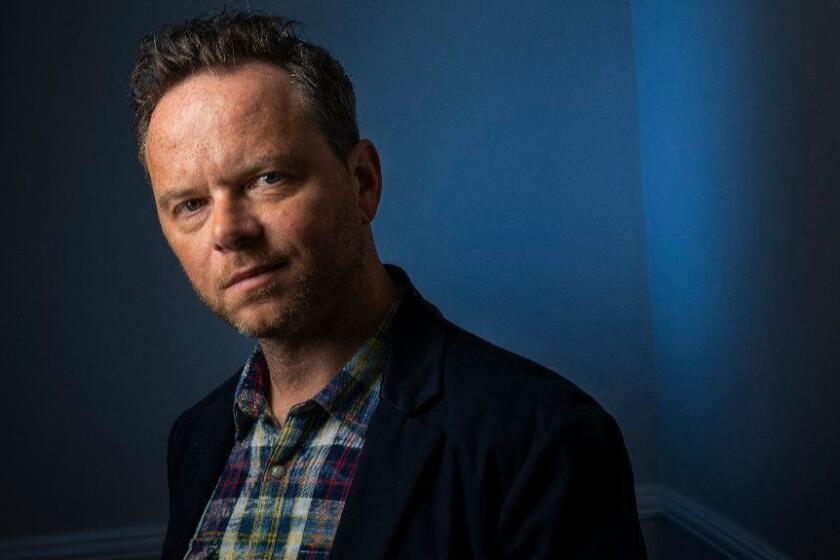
x=277, y=471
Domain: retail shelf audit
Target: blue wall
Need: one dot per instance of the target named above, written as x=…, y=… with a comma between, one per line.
x=642, y=195
x=740, y=120
x=510, y=144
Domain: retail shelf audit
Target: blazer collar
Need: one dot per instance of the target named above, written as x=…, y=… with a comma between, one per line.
x=412, y=376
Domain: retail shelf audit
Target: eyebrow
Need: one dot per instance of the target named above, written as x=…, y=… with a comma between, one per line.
x=280, y=158
x=186, y=192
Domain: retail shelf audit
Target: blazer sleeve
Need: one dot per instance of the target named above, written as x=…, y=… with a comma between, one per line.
x=574, y=495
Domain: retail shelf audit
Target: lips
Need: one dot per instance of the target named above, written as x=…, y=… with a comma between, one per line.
x=250, y=273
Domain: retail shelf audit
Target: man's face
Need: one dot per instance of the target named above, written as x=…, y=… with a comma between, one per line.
x=262, y=215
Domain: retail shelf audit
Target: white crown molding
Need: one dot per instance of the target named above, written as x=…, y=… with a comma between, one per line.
x=648, y=502
x=653, y=501
x=718, y=532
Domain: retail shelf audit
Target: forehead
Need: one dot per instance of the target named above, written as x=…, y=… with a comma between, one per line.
x=216, y=112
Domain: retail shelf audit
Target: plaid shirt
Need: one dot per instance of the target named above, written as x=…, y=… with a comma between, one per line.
x=283, y=488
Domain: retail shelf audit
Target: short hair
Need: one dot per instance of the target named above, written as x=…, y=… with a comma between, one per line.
x=226, y=39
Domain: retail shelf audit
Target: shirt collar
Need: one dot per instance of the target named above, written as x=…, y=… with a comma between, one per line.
x=250, y=400
x=342, y=397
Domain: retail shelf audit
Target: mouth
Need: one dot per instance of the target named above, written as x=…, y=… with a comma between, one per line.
x=252, y=277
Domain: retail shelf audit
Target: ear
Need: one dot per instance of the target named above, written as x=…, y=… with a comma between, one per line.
x=366, y=175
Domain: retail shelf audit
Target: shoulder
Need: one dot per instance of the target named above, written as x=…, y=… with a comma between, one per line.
x=474, y=367
x=499, y=403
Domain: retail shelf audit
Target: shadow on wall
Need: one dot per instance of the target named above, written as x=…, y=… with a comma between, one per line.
x=740, y=135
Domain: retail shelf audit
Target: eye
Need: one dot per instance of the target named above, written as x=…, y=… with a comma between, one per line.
x=271, y=178
x=190, y=206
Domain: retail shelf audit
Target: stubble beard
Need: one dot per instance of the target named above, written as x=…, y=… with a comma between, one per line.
x=320, y=288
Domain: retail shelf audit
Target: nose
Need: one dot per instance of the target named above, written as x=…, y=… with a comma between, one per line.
x=234, y=225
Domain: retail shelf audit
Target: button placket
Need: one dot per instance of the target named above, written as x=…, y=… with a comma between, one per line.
x=288, y=440
x=300, y=422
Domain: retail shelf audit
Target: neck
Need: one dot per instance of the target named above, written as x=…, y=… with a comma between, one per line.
x=300, y=368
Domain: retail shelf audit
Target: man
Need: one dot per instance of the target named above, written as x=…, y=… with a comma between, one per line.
x=364, y=425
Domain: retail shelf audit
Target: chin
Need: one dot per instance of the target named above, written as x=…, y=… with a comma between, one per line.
x=267, y=319
x=260, y=330
x=259, y=322
x=266, y=313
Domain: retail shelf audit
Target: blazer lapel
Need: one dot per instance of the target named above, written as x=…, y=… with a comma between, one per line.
x=398, y=445
x=396, y=450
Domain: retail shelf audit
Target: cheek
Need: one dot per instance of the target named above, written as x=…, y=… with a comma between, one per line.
x=305, y=225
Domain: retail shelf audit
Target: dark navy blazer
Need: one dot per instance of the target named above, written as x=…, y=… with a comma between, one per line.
x=472, y=452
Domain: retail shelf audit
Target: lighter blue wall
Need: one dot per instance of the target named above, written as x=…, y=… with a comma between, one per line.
x=510, y=147
x=738, y=107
